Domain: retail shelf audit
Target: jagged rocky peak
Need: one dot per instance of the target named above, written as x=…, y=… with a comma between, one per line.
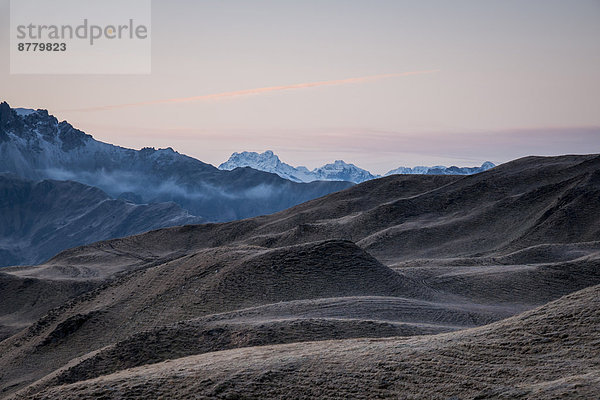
x=152, y=150
x=35, y=126
x=267, y=161
x=9, y=118
x=339, y=170
x=34, y=145
x=4, y=110
x=270, y=162
x=251, y=159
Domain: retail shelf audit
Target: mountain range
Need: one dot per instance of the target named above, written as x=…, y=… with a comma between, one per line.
x=153, y=188
x=336, y=171
x=432, y=283
x=62, y=188
x=34, y=145
x=408, y=286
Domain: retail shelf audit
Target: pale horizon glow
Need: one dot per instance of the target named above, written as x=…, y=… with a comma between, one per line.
x=256, y=91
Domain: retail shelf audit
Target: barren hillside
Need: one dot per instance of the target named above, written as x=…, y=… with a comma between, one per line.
x=333, y=288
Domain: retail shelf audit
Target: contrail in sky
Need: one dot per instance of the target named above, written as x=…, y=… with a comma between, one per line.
x=258, y=91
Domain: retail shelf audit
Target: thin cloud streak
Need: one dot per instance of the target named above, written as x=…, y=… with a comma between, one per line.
x=256, y=91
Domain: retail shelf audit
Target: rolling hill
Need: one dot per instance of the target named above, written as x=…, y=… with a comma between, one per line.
x=404, y=286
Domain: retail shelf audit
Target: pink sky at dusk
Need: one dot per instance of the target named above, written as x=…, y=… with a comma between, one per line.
x=376, y=83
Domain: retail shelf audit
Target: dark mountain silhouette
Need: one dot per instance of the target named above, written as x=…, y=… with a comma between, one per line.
x=40, y=219
x=35, y=145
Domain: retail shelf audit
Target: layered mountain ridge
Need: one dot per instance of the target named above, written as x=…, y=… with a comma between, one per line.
x=336, y=171
x=35, y=145
x=320, y=300
x=269, y=162
x=42, y=218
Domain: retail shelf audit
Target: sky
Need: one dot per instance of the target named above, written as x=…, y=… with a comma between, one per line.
x=377, y=83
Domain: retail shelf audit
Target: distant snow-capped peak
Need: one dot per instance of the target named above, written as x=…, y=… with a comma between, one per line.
x=342, y=171
x=442, y=170
x=264, y=160
x=339, y=170
x=269, y=162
